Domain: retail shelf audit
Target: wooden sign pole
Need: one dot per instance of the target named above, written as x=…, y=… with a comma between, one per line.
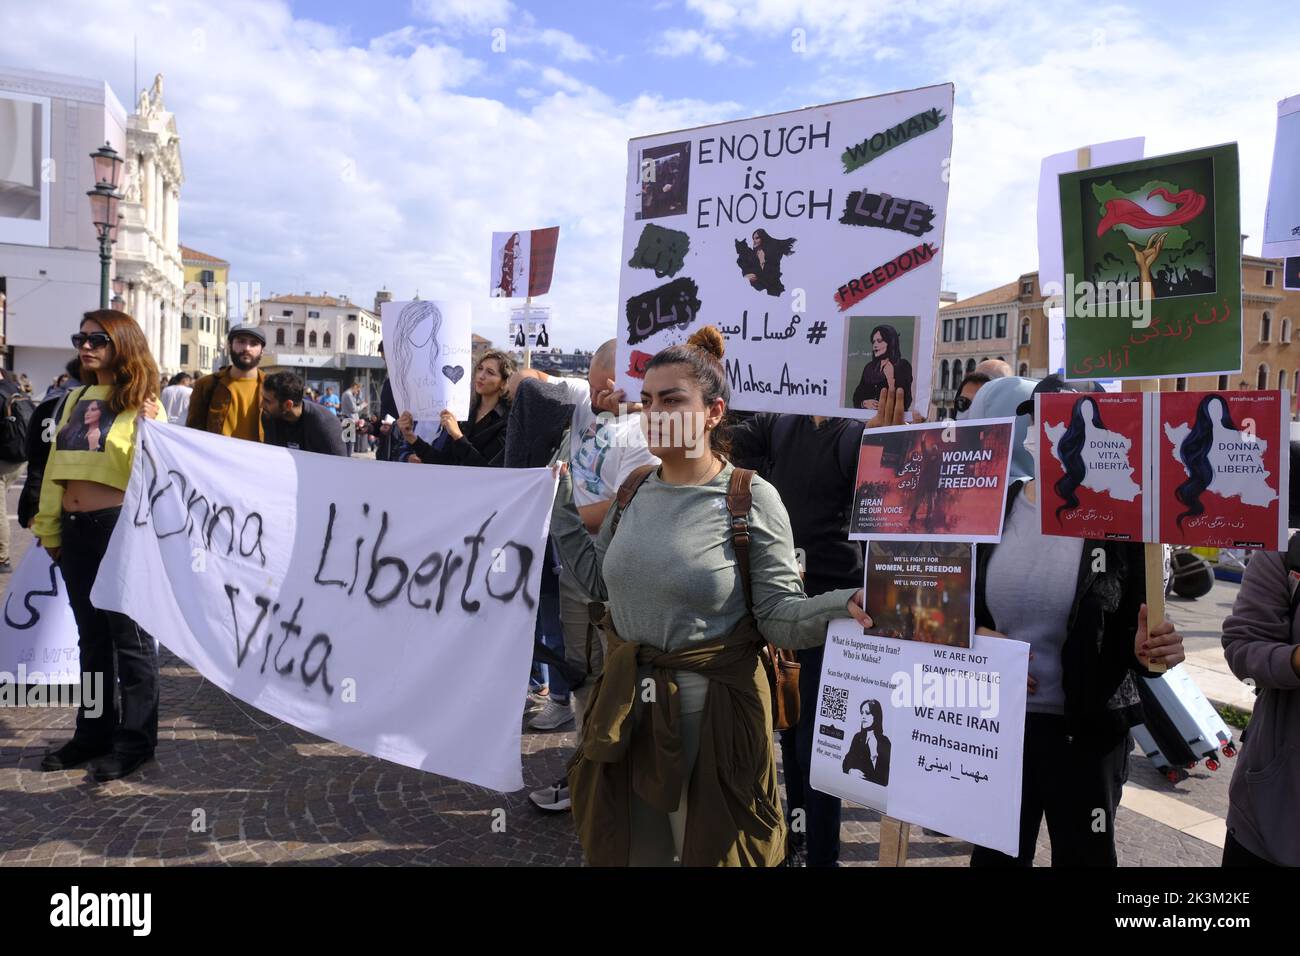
x=893, y=842
x=1153, y=552
x=528, y=349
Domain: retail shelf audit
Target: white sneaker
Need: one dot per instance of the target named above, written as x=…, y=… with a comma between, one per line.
x=554, y=798
x=552, y=716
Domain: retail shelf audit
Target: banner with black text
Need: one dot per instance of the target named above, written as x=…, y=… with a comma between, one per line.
x=384, y=606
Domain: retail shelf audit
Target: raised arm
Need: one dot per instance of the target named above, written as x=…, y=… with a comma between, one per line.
x=582, y=555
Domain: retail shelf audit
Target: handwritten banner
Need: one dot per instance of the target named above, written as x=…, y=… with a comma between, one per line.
x=428, y=350
x=384, y=607
x=37, y=629
x=789, y=233
x=1152, y=258
x=928, y=734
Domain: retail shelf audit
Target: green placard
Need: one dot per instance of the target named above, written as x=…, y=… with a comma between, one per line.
x=1152, y=254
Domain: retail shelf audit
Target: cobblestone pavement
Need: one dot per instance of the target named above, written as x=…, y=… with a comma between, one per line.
x=231, y=785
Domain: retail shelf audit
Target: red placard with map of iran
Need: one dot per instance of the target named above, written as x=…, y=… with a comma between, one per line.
x=1092, y=465
x=1221, y=472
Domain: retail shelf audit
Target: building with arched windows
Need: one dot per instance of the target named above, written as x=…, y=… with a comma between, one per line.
x=1013, y=314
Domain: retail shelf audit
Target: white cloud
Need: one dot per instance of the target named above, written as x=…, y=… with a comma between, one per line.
x=676, y=43
x=470, y=13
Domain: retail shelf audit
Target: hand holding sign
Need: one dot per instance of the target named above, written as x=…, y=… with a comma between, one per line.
x=1161, y=645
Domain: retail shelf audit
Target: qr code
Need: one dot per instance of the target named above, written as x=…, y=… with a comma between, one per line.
x=835, y=702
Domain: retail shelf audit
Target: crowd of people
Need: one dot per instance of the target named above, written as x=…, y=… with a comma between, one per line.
x=677, y=554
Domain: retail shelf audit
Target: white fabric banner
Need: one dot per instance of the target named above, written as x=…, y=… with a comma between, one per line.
x=812, y=239
x=387, y=607
x=37, y=629
x=927, y=734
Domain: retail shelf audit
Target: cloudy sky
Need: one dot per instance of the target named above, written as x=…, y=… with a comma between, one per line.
x=343, y=146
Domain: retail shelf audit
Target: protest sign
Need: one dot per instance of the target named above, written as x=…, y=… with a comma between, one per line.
x=387, y=608
x=428, y=350
x=1051, y=268
x=1222, y=465
x=1282, y=213
x=927, y=734
x=38, y=631
x=812, y=239
x=1092, y=466
x=933, y=481
x=921, y=591
x=531, y=327
x=1291, y=274
x=522, y=262
x=1154, y=249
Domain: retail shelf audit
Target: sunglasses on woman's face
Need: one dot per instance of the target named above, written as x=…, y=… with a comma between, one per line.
x=96, y=340
x=962, y=403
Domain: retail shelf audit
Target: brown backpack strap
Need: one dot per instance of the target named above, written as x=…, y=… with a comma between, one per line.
x=739, y=502
x=627, y=491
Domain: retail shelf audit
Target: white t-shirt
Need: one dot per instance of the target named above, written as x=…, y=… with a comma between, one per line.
x=603, y=450
x=176, y=402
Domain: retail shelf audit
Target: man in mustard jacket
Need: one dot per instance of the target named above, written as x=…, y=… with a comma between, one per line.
x=229, y=402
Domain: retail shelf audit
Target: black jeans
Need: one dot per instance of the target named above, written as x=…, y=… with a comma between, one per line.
x=1076, y=788
x=105, y=639
x=1234, y=854
x=821, y=811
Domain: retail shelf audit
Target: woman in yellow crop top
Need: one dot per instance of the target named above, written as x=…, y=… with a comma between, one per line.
x=81, y=498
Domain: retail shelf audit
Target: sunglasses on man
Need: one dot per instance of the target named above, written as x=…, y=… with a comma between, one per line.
x=962, y=403
x=96, y=340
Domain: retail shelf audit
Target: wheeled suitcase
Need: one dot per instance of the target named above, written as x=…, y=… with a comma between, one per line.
x=1181, y=727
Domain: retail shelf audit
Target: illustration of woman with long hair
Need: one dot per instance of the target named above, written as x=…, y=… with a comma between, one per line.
x=506, y=285
x=1070, y=451
x=418, y=326
x=887, y=369
x=761, y=265
x=1195, y=454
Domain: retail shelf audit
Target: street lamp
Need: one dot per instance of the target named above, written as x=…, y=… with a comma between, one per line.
x=103, y=209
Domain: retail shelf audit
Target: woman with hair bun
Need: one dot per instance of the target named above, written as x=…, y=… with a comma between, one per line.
x=675, y=765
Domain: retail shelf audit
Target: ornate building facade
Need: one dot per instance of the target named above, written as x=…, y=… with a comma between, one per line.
x=148, y=251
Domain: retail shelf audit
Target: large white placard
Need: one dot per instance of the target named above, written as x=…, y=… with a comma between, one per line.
x=1282, y=214
x=37, y=629
x=928, y=734
x=812, y=239
x=386, y=607
x=427, y=346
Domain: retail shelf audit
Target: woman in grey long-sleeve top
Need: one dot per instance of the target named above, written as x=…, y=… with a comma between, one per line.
x=670, y=573
x=1262, y=644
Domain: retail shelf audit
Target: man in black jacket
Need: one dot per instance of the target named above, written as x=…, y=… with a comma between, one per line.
x=290, y=422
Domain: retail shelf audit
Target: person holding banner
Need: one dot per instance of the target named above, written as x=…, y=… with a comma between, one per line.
x=675, y=763
x=81, y=498
x=1079, y=605
x=481, y=439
